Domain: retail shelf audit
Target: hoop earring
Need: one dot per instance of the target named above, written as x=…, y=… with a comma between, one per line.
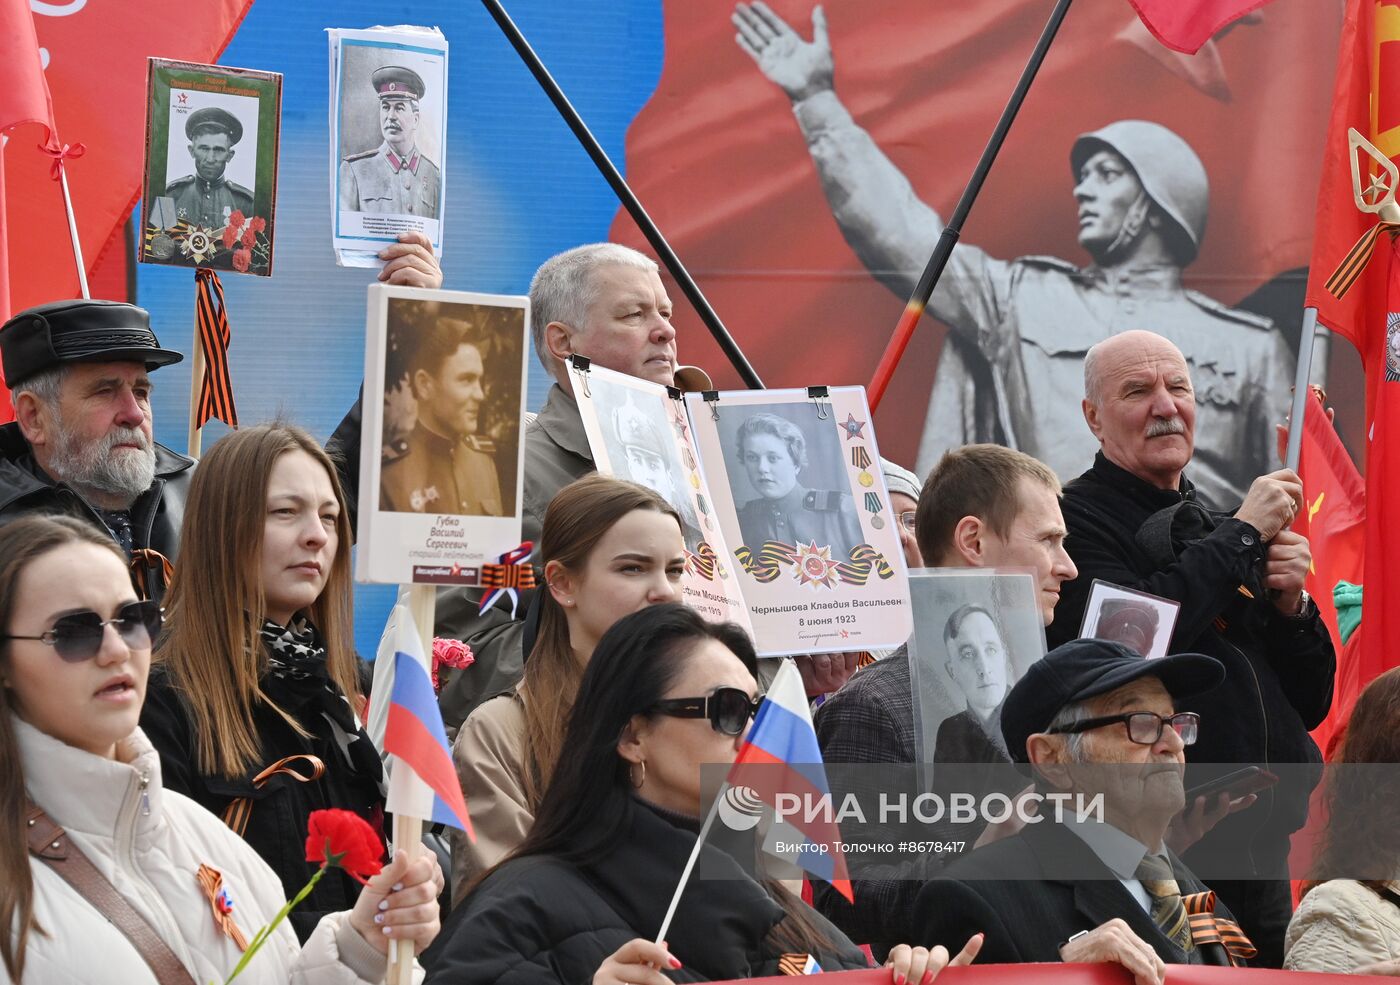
x=637, y=784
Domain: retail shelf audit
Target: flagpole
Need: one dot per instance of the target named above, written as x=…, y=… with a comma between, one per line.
x=196, y=433
x=1301, y=379
x=690, y=864
x=408, y=831
x=73, y=229
x=625, y=195
x=913, y=311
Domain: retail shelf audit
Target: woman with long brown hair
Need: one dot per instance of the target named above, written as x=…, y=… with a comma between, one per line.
x=608, y=548
x=255, y=699
x=1350, y=913
x=106, y=877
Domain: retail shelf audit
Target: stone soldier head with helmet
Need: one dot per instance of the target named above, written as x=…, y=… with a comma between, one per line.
x=1139, y=187
x=641, y=442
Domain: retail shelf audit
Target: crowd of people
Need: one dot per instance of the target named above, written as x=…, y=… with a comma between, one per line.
x=227, y=702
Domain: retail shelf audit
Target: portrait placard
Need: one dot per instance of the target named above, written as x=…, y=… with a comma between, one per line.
x=1139, y=621
x=976, y=631
x=441, y=457
x=388, y=149
x=209, y=191
x=639, y=431
x=802, y=504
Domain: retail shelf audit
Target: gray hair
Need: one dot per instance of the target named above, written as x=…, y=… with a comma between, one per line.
x=1071, y=714
x=45, y=385
x=1093, y=390
x=563, y=288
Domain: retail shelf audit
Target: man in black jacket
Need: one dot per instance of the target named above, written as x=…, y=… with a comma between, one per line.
x=1134, y=521
x=1102, y=725
x=81, y=442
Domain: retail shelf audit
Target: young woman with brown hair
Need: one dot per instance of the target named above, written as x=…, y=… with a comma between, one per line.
x=255, y=699
x=1350, y=913
x=608, y=549
x=92, y=845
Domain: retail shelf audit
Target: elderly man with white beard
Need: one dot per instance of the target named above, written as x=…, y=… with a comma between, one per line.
x=1134, y=520
x=81, y=442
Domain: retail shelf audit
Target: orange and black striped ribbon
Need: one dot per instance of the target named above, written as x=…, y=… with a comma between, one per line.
x=1207, y=928
x=766, y=565
x=211, y=880
x=211, y=321
x=507, y=576
x=703, y=561
x=864, y=559
x=143, y=561
x=1356, y=260
x=240, y=809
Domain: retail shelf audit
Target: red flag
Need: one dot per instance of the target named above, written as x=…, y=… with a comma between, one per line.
x=1368, y=79
x=1187, y=24
x=1334, y=523
x=96, y=72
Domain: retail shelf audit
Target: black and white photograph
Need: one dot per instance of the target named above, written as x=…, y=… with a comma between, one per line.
x=640, y=446
x=1141, y=622
x=787, y=475
x=452, y=394
x=389, y=123
x=795, y=485
x=975, y=633
x=441, y=451
x=211, y=165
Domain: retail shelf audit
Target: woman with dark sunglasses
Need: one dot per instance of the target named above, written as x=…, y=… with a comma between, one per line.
x=583, y=896
x=94, y=853
x=608, y=548
x=255, y=699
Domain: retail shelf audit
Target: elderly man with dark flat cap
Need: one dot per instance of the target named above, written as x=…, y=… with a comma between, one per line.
x=395, y=177
x=1094, y=719
x=81, y=442
x=206, y=198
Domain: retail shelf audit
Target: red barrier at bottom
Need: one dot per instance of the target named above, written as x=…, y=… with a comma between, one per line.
x=1079, y=974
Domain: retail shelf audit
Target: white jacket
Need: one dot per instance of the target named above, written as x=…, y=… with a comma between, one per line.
x=150, y=843
x=1340, y=926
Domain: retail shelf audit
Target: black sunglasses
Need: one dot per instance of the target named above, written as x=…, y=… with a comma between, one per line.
x=728, y=709
x=77, y=636
x=1144, y=727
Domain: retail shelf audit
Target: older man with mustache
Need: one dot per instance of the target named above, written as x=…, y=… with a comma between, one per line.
x=1134, y=520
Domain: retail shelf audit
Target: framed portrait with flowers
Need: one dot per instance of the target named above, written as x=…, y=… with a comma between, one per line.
x=209, y=192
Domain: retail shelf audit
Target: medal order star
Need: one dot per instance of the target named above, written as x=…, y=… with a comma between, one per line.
x=814, y=566
x=1377, y=189
x=852, y=427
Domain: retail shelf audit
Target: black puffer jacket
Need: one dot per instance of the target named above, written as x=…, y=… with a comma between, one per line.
x=155, y=516
x=543, y=921
x=1279, y=669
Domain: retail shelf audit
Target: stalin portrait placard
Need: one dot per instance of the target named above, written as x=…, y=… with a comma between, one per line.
x=388, y=138
x=803, y=507
x=210, y=186
x=442, y=456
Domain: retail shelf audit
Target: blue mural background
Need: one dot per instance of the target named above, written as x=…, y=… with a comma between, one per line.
x=519, y=190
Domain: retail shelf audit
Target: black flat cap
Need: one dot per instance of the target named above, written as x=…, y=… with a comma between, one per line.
x=79, y=331
x=211, y=119
x=1086, y=668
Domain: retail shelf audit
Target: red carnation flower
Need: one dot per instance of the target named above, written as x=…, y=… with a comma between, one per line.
x=450, y=653
x=230, y=236
x=257, y=223
x=236, y=218
x=250, y=238
x=241, y=259
x=342, y=838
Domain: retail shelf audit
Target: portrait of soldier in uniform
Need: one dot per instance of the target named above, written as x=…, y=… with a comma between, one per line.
x=1134, y=624
x=642, y=451
x=1019, y=328
x=772, y=453
x=206, y=197
x=394, y=177
x=444, y=465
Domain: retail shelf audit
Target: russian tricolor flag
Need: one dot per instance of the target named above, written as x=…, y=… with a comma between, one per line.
x=422, y=780
x=781, y=756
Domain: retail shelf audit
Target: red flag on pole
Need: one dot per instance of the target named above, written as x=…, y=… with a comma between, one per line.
x=1187, y=24
x=1334, y=522
x=1355, y=206
x=26, y=101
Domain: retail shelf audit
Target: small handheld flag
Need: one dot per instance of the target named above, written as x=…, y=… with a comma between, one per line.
x=422, y=780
